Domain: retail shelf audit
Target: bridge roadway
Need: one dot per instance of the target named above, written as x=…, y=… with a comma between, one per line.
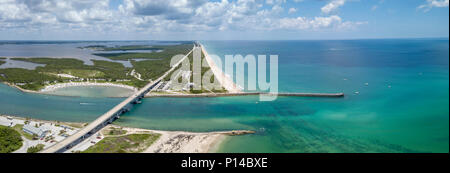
x=109, y=116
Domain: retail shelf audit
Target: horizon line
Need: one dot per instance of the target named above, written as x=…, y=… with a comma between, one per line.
x=386, y=38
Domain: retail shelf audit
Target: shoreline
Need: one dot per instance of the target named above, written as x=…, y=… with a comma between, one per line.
x=168, y=142
x=223, y=79
x=53, y=87
x=178, y=95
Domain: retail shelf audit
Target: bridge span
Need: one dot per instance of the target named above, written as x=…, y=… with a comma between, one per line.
x=109, y=116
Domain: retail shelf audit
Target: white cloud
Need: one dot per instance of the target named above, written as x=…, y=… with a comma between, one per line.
x=54, y=13
x=154, y=16
x=433, y=3
x=273, y=2
x=292, y=10
x=332, y=6
x=302, y=23
x=169, y=9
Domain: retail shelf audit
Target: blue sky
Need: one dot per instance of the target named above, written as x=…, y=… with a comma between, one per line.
x=222, y=19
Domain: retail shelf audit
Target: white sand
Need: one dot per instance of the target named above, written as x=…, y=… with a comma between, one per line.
x=169, y=141
x=179, y=141
x=71, y=84
x=223, y=79
x=186, y=142
x=66, y=75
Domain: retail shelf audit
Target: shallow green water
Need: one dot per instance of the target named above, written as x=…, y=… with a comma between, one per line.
x=92, y=91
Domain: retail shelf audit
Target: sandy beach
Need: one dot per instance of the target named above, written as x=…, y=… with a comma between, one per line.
x=180, y=141
x=168, y=142
x=50, y=88
x=71, y=84
x=223, y=79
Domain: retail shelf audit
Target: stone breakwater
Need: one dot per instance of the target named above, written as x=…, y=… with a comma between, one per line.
x=72, y=84
x=248, y=94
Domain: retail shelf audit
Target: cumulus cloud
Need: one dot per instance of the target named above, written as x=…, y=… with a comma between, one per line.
x=433, y=3
x=303, y=23
x=332, y=6
x=54, y=13
x=13, y=12
x=164, y=15
x=170, y=9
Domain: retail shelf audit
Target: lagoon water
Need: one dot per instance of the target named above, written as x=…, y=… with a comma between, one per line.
x=92, y=91
x=64, y=49
x=401, y=104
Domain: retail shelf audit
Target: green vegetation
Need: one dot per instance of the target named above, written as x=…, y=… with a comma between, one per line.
x=84, y=73
x=101, y=71
x=120, y=48
x=114, y=131
x=94, y=47
x=35, y=149
x=19, y=128
x=26, y=79
x=10, y=140
x=158, y=63
x=202, y=71
x=132, y=47
x=133, y=143
x=166, y=54
x=36, y=79
x=2, y=62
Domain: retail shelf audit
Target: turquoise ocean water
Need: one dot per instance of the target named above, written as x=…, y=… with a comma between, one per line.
x=402, y=108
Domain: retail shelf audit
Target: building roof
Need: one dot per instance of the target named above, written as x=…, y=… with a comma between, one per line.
x=34, y=130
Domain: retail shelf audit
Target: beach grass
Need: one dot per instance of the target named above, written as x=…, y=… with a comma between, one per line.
x=133, y=143
x=114, y=131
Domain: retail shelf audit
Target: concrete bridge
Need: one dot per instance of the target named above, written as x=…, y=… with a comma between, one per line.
x=109, y=116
